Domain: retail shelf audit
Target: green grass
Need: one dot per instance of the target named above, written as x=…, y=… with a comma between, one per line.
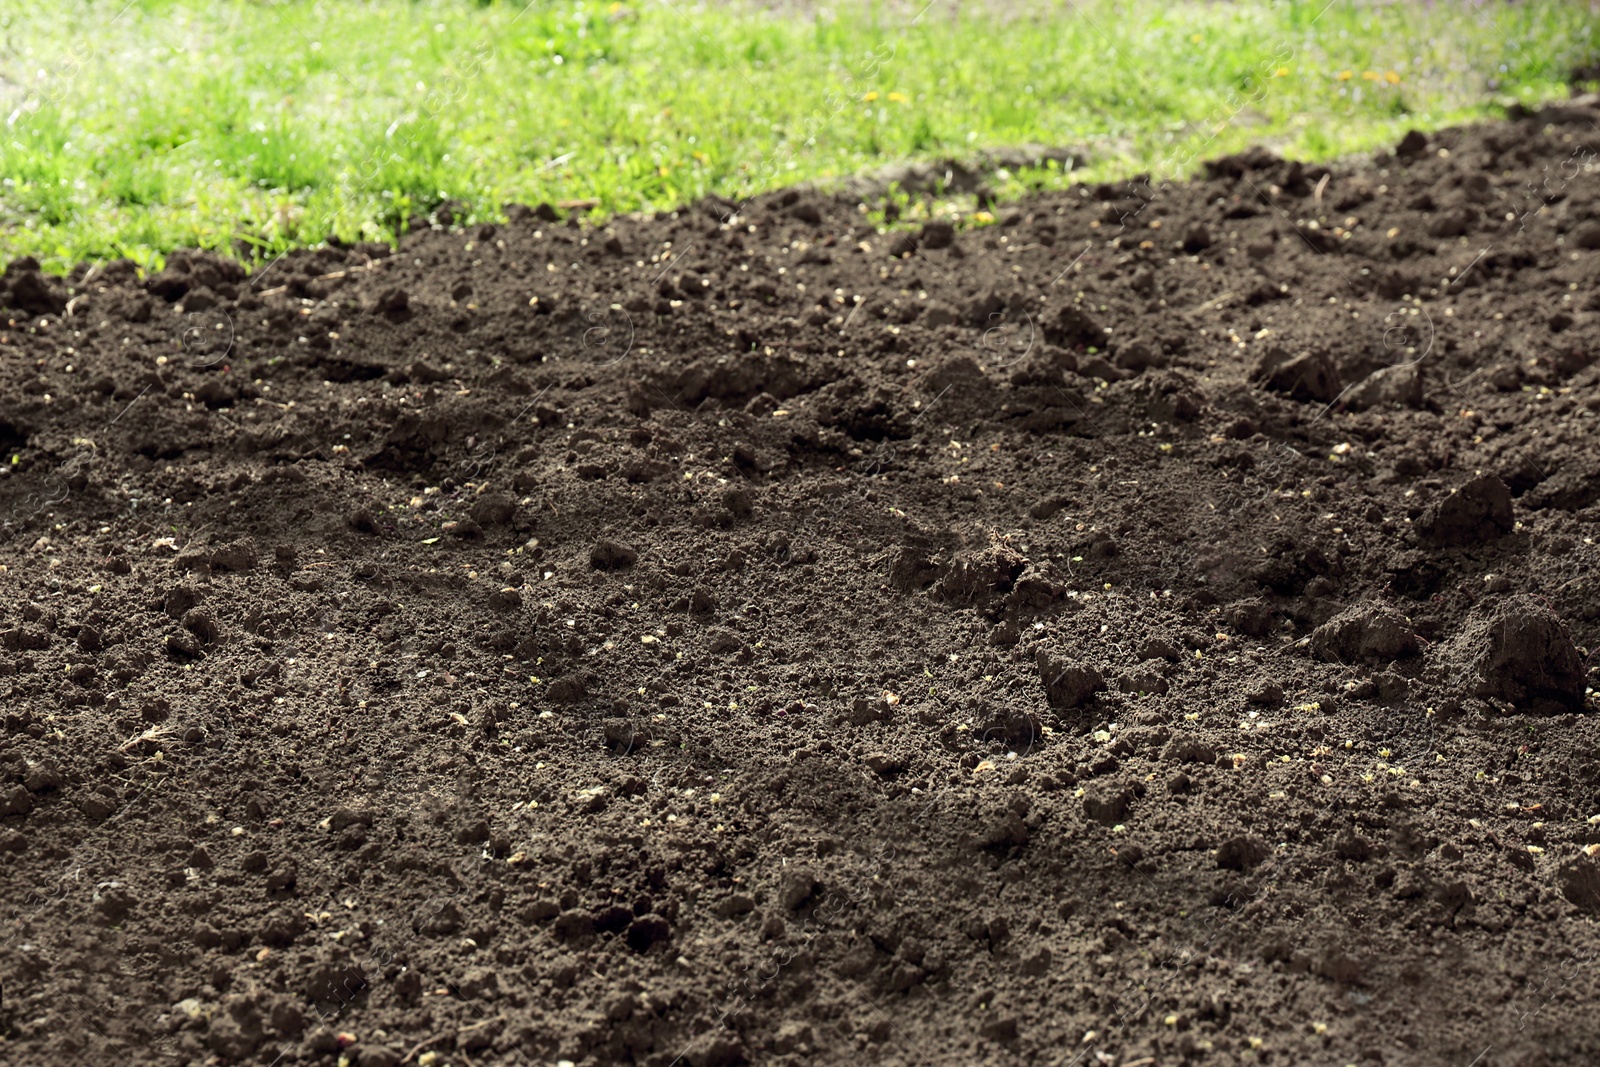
x=139, y=127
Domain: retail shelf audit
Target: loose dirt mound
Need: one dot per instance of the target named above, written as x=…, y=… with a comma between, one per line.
x=1149, y=629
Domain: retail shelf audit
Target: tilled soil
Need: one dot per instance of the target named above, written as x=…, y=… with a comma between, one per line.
x=1149, y=629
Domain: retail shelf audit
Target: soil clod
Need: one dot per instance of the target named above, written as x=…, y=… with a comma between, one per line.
x=609, y=555
x=1524, y=655
x=1478, y=511
x=1371, y=633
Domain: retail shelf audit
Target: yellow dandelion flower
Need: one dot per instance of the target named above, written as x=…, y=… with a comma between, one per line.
x=870, y=97
x=1281, y=72
x=1391, y=77
x=1196, y=39
x=663, y=171
x=900, y=98
x=1343, y=75
x=1369, y=75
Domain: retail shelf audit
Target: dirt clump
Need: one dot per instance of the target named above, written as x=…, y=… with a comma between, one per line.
x=1478, y=511
x=1524, y=655
x=1374, y=633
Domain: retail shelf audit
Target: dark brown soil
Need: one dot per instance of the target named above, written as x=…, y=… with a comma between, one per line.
x=1151, y=629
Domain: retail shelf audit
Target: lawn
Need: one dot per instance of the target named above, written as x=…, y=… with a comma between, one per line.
x=255, y=125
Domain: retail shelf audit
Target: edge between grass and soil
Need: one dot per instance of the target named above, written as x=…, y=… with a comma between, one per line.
x=138, y=128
